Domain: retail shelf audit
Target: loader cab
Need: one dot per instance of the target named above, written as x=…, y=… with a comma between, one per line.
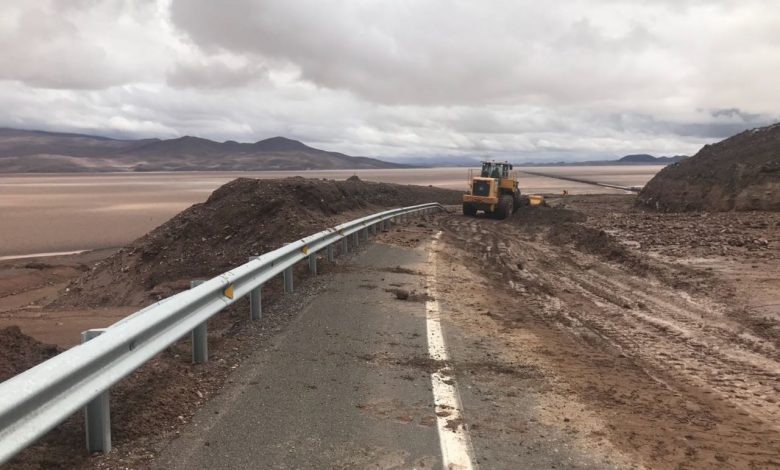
x=495, y=170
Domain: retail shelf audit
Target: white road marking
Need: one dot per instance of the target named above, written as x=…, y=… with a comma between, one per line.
x=456, y=449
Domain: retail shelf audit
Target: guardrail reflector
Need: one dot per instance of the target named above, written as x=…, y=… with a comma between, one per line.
x=305, y=249
x=228, y=292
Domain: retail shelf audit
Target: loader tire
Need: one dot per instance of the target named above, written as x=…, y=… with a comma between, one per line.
x=504, y=207
x=522, y=200
x=515, y=202
x=469, y=209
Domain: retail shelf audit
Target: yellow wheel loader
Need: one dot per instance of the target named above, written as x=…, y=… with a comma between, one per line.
x=494, y=190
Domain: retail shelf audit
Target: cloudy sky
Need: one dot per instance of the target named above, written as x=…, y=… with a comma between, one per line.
x=523, y=79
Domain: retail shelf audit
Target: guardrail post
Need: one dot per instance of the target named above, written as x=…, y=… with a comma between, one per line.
x=331, y=254
x=97, y=413
x=365, y=233
x=288, y=280
x=356, y=239
x=344, y=245
x=255, y=303
x=200, y=337
x=313, y=263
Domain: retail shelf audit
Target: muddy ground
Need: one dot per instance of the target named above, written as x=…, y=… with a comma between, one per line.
x=656, y=335
x=653, y=350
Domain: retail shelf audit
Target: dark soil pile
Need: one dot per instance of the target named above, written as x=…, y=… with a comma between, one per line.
x=740, y=173
x=243, y=218
x=563, y=226
x=19, y=352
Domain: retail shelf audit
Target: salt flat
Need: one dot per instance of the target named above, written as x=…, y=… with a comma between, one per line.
x=45, y=213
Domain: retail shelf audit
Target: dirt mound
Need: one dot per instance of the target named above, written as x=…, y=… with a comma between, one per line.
x=563, y=226
x=243, y=218
x=19, y=352
x=740, y=173
x=546, y=215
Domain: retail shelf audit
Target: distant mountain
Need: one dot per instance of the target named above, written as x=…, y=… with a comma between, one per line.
x=24, y=151
x=466, y=161
x=646, y=159
x=637, y=159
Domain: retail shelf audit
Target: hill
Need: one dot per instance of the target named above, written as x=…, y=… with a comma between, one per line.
x=23, y=151
x=739, y=173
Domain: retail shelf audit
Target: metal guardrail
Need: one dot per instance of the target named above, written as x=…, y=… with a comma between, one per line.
x=37, y=400
x=634, y=189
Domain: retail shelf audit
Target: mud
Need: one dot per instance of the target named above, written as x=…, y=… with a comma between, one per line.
x=652, y=347
x=410, y=296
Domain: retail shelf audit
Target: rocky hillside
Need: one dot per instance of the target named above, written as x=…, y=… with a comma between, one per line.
x=740, y=173
x=23, y=151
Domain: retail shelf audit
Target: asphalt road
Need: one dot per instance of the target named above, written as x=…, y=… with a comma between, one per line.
x=328, y=393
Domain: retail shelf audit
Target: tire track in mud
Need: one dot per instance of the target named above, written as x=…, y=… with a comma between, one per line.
x=686, y=343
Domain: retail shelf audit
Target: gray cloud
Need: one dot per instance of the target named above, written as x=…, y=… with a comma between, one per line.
x=79, y=44
x=430, y=77
x=215, y=74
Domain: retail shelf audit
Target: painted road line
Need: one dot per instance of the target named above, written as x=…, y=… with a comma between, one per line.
x=456, y=449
